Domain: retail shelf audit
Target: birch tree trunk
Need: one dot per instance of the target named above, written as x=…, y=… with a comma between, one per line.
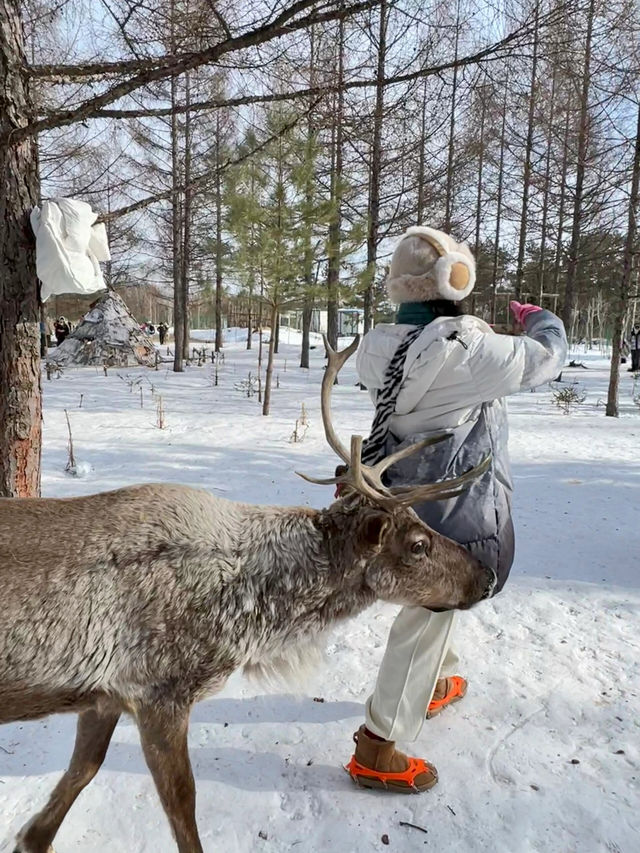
x=20, y=402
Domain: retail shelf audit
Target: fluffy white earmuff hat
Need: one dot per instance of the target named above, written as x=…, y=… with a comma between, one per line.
x=428, y=264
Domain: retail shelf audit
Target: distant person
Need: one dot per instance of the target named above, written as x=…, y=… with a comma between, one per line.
x=162, y=332
x=634, y=347
x=43, y=339
x=151, y=329
x=46, y=331
x=61, y=329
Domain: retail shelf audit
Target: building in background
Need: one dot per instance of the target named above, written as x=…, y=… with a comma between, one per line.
x=350, y=321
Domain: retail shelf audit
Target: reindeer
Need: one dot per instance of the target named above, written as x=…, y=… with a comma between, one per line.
x=160, y=592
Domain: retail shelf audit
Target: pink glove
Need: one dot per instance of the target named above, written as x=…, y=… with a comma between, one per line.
x=521, y=312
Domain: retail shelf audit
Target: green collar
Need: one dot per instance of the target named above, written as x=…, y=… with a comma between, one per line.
x=415, y=314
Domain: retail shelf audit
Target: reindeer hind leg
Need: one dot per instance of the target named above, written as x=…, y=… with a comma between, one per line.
x=93, y=735
x=163, y=733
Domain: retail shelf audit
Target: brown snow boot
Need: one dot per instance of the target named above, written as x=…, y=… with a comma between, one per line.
x=378, y=764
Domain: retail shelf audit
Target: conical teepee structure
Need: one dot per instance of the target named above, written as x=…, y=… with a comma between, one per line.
x=108, y=334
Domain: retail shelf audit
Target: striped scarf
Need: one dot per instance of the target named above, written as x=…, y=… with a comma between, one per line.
x=374, y=447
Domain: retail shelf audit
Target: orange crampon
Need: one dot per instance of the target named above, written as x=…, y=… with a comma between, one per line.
x=455, y=690
x=404, y=782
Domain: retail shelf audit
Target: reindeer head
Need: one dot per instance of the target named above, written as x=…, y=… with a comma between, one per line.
x=404, y=561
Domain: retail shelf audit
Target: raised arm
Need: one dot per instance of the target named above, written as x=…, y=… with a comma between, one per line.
x=504, y=364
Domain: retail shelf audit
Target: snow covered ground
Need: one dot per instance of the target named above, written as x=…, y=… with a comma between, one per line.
x=544, y=752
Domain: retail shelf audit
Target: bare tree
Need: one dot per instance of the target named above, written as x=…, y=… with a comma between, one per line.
x=218, y=205
x=583, y=143
x=334, y=240
x=546, y=187
x=526, y=178
x=499, y=200
x=449, y=192
x=622, y=306
x=375, y=167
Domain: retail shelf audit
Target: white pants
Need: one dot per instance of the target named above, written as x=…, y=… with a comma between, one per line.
x=417, y=648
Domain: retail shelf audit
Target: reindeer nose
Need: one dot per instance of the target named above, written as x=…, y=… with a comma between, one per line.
x=492, y=581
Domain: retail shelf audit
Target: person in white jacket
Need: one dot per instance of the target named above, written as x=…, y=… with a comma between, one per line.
x=438, y=370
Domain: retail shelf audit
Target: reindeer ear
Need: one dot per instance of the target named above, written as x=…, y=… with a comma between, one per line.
x=373, y=528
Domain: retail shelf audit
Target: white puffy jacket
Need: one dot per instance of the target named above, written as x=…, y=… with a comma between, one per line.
x=456, y=374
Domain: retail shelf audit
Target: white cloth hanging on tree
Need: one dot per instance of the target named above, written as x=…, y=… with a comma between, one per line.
x=69, y=247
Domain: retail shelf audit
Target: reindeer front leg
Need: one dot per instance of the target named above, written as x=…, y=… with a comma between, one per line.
x=163, y=732
x=93, y=735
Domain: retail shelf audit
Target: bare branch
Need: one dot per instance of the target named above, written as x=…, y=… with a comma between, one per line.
x=213, y=5
x=203, y=178
x=180, y=62
x=165, y=67
x=492, y=52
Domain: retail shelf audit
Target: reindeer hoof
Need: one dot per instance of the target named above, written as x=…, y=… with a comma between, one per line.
x=27, y=840
x=21, y=849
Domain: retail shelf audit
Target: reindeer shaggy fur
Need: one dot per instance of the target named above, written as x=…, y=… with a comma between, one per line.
x=157, y=593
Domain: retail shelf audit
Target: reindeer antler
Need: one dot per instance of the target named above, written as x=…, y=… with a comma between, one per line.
x=367, y=479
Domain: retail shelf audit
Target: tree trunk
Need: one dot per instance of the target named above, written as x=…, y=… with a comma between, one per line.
x=186, y=215
x=260, y=344
x=545, y=194
x=496, y=247
x=452, y=131
x=583, y=144
x=483, y=111
x=176, y=223
x=276, y=334
x=422, y=156
x=108, y=270
x=557, y=264
x=20, y=398
x=307, y=307
x=626, y=283
x=526, y=178
x=249, y=329
x=334, y=242
x=307, y=315
x=375, y=170
x=218, y=341
x=269, y=374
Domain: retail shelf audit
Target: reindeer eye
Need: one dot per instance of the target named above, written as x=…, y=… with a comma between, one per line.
x=419, y=547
